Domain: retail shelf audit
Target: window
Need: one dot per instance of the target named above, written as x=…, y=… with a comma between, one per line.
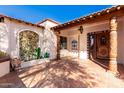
x=63, y=42
x=74, y=45
x=1, y=19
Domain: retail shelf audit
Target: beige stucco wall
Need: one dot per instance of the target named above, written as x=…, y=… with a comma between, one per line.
x=47, y=38
x=74, y=34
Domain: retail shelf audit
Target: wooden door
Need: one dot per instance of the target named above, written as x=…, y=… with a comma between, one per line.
x=102, y=45
x=99, y=45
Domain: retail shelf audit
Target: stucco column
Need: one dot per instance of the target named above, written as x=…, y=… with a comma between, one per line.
x=58, y=45
x=113, y=45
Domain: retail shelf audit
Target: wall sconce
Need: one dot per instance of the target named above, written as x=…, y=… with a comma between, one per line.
x=81, y=29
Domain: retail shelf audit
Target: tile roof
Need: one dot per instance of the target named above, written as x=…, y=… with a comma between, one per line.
x=92, y=15
x=1, y=15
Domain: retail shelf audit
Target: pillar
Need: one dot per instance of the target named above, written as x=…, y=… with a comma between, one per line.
x=113, y=45
x=58, y=45
x=79, y=46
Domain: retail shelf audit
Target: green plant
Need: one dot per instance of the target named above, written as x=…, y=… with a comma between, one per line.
x=28, y=42
x=46, y=55
x=2, y=54
x=37, y=53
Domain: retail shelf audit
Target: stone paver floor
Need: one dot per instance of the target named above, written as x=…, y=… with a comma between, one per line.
x=62, y=74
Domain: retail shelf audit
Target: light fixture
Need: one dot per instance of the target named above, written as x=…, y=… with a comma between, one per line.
x=81, y=29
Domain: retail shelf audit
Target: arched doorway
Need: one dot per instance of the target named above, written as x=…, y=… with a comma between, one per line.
x=28, y=42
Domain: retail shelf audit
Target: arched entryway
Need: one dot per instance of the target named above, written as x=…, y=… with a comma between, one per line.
x=28, y=42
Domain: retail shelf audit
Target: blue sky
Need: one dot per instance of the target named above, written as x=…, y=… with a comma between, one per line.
x=36, y=13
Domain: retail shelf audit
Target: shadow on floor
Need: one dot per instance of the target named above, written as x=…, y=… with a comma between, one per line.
x=105, y=64
x=60, y=74
x=57, y=74
x=11, y=80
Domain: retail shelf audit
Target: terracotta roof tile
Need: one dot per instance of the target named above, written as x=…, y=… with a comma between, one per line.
x=1, y=15
x=83, y=18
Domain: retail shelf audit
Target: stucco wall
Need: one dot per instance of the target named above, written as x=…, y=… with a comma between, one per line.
x=47, y=39
x=73, y=33
x=4, y=40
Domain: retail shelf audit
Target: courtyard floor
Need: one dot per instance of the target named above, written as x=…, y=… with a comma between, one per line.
x=62, y=74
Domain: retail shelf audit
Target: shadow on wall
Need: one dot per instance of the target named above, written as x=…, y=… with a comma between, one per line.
x=4, y=42
x=49, y=43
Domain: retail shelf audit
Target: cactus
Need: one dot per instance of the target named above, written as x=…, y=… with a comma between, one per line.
x=37, y=53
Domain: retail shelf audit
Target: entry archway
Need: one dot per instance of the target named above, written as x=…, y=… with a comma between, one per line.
x=28, y=42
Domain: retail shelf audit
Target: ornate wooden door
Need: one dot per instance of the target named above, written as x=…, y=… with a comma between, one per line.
x=102, y=45
x=99, y=45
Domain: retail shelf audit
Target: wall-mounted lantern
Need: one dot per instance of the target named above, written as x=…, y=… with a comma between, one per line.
x=81, y=29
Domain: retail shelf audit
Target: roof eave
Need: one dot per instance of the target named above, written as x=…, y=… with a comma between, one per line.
x=90, y=16
x=21, y=21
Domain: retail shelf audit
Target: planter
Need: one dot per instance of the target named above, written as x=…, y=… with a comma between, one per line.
x=4, y=59
x=34, y=62
x=4, y=65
